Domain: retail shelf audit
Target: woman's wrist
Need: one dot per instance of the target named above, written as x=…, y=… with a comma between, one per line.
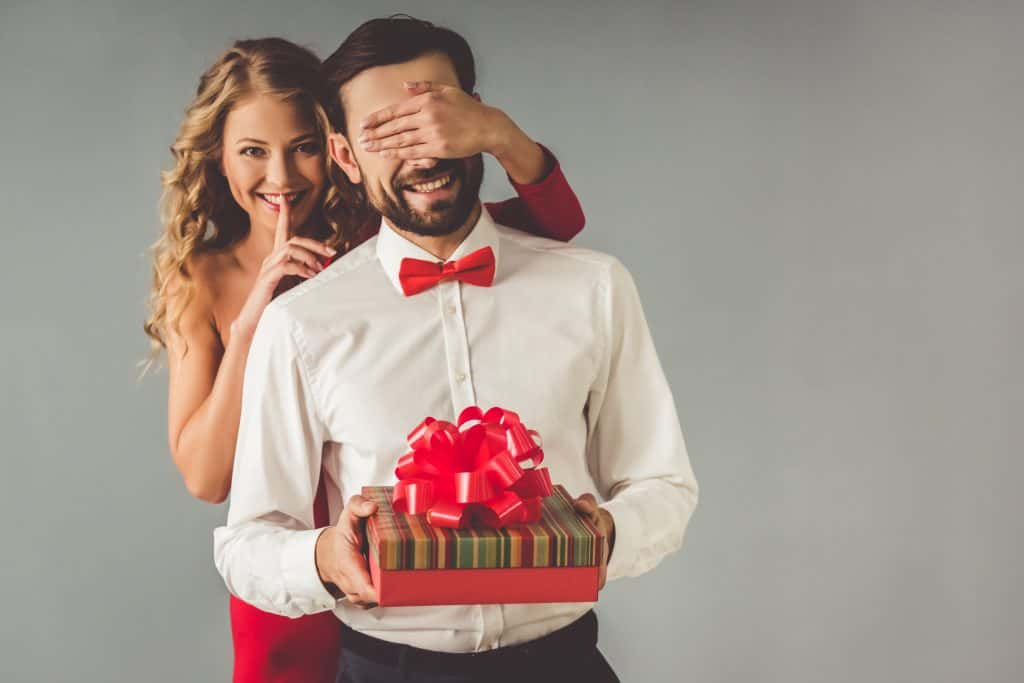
x=241, y=331
x=523, y=159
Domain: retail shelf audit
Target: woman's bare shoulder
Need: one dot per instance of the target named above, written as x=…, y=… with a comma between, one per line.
x=215, y=271
x=195, y=296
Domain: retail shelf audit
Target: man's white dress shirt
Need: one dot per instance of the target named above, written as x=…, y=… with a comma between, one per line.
x=344, y=365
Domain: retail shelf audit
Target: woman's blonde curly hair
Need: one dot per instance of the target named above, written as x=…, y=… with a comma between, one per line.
x=198, y=212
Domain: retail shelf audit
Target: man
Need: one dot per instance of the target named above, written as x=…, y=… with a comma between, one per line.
x=344, y=365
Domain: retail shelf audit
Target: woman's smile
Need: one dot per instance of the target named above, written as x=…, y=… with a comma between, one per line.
x=272, y=201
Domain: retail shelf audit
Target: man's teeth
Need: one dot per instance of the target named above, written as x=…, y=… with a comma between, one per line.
x=276, y=198
x=432, y=185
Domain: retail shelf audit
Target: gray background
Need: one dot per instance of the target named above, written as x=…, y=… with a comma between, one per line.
x=820, y=202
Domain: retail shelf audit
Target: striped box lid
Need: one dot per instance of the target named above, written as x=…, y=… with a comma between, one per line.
x=561, y=538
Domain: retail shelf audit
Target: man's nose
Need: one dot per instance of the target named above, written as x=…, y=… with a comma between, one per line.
x=423, y=164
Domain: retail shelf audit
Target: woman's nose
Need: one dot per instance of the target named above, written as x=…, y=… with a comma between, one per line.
x=281, y=170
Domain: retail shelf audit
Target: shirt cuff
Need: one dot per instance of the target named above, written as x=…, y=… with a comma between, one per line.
x=553, y=177
x=298, y=571
x=627, y=531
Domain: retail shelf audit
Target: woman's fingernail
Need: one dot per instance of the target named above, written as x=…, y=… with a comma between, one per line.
x=332, y=251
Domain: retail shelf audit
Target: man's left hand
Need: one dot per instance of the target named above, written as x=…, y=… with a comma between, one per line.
x=587, y=506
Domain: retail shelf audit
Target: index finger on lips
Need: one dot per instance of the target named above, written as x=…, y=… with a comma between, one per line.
x=283, y=218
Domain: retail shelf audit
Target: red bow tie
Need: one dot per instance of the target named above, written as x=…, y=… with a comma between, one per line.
x=418, y=276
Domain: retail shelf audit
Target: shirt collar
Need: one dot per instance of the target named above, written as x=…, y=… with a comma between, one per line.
x=393, y=247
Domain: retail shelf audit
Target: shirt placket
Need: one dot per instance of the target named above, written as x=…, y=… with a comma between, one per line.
x=453, y=322
x=460, y=381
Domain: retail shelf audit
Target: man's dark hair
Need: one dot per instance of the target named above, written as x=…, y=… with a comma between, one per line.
x=396, y=39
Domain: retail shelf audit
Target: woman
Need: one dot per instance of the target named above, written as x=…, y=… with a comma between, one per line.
x=251, y=209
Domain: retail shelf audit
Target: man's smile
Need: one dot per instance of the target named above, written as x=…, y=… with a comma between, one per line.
x=444, y=187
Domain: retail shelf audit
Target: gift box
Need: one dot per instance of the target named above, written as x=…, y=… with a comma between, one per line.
x=553, y=559
x=474, y=519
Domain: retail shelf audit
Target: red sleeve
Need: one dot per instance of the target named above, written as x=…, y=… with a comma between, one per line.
x=548, y=208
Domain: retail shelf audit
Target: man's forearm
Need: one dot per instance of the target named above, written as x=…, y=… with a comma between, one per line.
x=272, y=568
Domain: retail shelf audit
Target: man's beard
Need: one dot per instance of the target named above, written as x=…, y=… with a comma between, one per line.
x=444, y=216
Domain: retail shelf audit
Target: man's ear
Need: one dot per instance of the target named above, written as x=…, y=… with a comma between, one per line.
x=343, y=156
x=476, y=96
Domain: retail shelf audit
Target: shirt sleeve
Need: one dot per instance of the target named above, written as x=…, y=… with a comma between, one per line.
x=635, y=449
x=266, y=551
x=548, y=208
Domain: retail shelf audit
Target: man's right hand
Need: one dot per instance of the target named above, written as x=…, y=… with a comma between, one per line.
x=339, y=555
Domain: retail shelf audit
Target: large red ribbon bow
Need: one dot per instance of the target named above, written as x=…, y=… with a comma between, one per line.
x=484, y=470
x=476, y=268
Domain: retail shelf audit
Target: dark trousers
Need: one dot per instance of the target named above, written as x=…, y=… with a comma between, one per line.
x=569, y=654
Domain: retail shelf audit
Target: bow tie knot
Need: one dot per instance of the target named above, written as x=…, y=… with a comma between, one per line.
x=476, y=268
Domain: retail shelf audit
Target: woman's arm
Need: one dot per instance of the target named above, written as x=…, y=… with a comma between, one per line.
x=445, y=122
x=204, y=400
x=205, y=390
x=547, y=207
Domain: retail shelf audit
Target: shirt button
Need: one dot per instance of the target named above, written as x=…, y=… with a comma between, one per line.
x=450, y=309
x=460, y=377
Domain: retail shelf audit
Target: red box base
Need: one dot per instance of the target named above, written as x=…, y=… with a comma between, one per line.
x=408, y=587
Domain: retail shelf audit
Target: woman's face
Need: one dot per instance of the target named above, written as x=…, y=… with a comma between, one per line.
x=273, y=153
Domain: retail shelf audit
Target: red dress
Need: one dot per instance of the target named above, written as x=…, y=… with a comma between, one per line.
x=270, y=648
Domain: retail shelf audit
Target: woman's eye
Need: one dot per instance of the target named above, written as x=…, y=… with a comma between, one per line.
x=309, y=148
x=252, y=152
